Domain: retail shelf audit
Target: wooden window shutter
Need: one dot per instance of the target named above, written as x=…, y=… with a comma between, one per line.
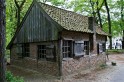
x=104, y=47
x=19, y=50
x=50, y=53
x=79, y=48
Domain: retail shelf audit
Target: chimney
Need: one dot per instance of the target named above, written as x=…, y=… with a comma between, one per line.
x=92, y=38
x=91, y=21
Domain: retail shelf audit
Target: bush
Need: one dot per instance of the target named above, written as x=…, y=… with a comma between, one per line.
x=102, y=66
x=11, y=78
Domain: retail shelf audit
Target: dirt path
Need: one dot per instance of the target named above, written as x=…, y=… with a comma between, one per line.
x=109, y=74
x=98, y=75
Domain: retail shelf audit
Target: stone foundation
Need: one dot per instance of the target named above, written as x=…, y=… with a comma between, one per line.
x=43, y=66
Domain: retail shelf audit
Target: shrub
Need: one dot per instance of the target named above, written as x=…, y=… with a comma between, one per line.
x=11, y=78
x=102, y=66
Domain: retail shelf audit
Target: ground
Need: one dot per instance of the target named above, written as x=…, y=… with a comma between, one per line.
x=108, y=74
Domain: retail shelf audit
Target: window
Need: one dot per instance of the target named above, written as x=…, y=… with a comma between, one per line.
x=98, y=51
x=86, y=47
x=26, y=50
x=79, y=48
x=42, y=51
x=101, y=48
x=19, y=50
x=50, y=53
x=46, y=52
x=104, y=47
x=67, y=48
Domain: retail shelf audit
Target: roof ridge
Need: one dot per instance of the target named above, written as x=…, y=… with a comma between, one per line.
x=67, y=19
x=63, y=9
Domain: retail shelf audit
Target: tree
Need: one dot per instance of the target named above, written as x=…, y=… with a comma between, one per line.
x=19, y=5
x=96, y=7
x=122, y=20
x=98, y=12
x=109, y=23
x=2, y=40
x=11, y=17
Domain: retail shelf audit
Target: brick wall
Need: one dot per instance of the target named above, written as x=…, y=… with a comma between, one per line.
x=43, y=66
x=71, y=65
x=52, y=68
x=14, y=52
x=75, y=35
x=100, y=38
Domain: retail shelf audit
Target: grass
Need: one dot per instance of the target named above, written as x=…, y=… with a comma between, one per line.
x=103, y=66
x=115, y=51
x=11, y=78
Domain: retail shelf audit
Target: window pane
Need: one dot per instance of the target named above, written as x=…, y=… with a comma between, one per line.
x=66, y=49
x=26, y=50
x=42, y=51
x=104, y=48
x=86, y=47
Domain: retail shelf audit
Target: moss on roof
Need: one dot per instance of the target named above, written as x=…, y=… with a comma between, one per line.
x=67, y=19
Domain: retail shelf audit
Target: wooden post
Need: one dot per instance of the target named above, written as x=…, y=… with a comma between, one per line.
x=37, y=57
x=60, y=57
x=89, y=56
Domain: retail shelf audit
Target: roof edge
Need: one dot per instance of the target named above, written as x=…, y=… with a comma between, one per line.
x=19, y=27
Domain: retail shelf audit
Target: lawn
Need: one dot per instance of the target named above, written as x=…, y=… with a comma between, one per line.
x=115, y=51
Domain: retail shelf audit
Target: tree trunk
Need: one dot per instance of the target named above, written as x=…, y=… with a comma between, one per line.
x=99, y=16
x=19, y=8
x=109, y=23
x=122, y=23
x=18, y=16
x=123, y=40
x=98, y=13
x=2, y=40
x=93, y=11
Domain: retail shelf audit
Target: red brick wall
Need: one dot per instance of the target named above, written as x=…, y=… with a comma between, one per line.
x=33, y=50
x=75, y=35
x=14, y=52
x=100, y=38
x=43, y=66
x=73, y=65
x=46, y=67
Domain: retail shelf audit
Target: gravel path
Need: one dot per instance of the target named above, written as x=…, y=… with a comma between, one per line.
x=109, y=74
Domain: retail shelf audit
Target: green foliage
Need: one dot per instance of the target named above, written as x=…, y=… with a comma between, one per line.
x=116, y=51
x=11, y=78
x=83, y=7
x=57, y=2
x=11, y=17
x=103, y=66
